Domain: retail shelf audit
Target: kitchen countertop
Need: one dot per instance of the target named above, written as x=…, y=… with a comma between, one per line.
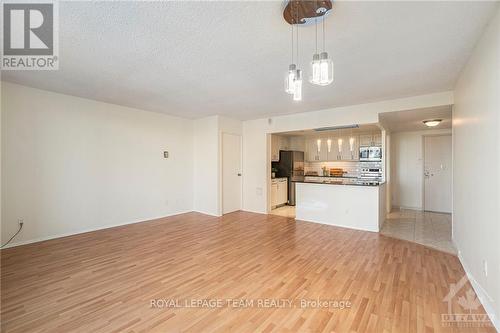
x=347, y=177
x=351, y=181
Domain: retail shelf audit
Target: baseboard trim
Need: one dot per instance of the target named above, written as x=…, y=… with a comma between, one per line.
x=45, y=238
x=253, y=211
x=483, y=296
x=406, y=208
x=207, y=213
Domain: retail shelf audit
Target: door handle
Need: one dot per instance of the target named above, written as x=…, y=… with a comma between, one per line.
x=239, y=174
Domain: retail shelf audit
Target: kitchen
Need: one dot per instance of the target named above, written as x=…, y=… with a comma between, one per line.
x=325, y=175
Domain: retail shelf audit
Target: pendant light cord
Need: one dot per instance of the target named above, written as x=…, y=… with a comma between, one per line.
x=324, y=32
x=292, y=43
x=297, y=29
x=316, y=25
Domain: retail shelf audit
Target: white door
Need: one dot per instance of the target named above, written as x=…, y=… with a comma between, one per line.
x=231, y=173
x=437, y=173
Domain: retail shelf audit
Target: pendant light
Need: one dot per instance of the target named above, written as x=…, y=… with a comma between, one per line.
x=318, y=144
x=340, y=141
x=351, y=143
x=290, y=78
x=329, y=143
x=293, y=78
x=325, y=64
x=297, y=93
x=291, y=74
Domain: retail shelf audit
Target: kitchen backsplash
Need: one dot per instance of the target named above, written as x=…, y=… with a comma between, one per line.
x=351, y=167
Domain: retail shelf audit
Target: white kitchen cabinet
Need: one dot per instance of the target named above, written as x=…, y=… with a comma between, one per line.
x=282, y=191
x=365, y=140
x=274, y=149
x=334, y=153
x=342, y=151
x=347, y=153
x=368, y=140
x=279, y=191
x=278, y=142
x=313, y=155
x=274, y=194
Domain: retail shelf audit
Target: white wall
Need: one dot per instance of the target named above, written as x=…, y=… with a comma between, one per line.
x=476, y=170
x=407, y=167
x=71, y=164
x=256, y=146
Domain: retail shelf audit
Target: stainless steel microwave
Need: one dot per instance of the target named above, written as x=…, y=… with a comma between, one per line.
x=371, y=154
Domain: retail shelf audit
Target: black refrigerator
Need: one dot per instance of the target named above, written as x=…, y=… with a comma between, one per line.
x=291, y=165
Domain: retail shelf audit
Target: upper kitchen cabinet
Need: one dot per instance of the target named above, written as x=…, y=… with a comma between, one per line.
x=316, y=150
x=350, y=148
x=377, y=139
x=278, y=142
x=367, y=140
x=335, y=151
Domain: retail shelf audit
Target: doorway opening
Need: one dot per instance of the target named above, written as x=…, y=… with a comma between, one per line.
x=420, y=177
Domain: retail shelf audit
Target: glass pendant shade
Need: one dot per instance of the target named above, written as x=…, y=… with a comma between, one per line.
x=325, y=69
x=329, y=143
x=290, y=79
x=340, y=145
x=315, y=70
x=351, y=143
x=297, y=92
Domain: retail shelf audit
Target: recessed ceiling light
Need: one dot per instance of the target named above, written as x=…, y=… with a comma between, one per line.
x=432, y=122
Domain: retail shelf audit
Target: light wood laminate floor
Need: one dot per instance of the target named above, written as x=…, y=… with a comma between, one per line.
x=104, y=281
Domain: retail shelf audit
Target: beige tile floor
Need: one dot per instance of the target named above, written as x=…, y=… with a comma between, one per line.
x=426, y=228
x=286, y=211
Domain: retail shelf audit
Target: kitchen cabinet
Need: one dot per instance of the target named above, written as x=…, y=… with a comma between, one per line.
x=274, y=194
x=279, y=191
x=282, y=192
x=342, y=151
x=335, y=154
x=347, y=153
x=313, y=155
x=368, y=140
x=278, y=142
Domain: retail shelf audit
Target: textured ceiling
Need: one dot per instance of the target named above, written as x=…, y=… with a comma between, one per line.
x=194, y=59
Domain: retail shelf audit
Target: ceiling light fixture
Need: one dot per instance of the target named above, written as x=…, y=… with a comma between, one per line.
x=325, y=64
x=299, y=12
x=293, y=79
x=291, y=74
x=432, y=122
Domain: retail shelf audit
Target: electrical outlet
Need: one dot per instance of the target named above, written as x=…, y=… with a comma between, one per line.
x=20, y=221
x=485, y=268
